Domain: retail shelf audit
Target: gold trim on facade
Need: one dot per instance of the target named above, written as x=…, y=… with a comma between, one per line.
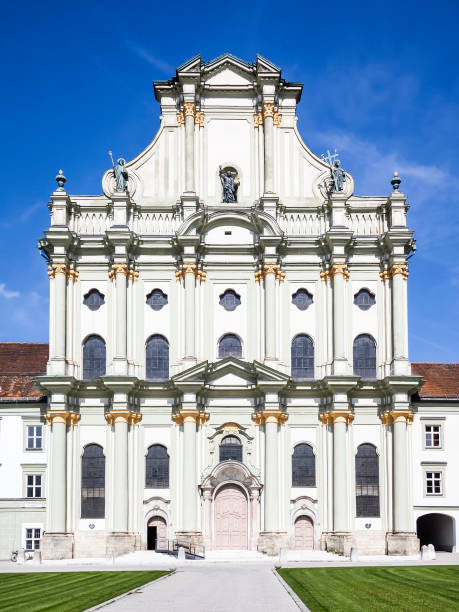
x=199, y=274
x=199, y=118
x=336, y=416
x=397, y=416
x=395, y=269
x=118, y=269
x=327, y=275
x=70, y=274
x=270, y=416
x=270, y=269
x=180, y=119
x=133, y=275
x=258, y=119
x=189, y=109
x=268, y=110
x=123, y=416
x=277, y=120
x=187, y=416
x=62, y=416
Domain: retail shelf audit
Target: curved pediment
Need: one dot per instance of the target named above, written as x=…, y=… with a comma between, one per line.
x=254, y=223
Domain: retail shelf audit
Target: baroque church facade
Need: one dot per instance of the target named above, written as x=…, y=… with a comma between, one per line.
x=228, y=357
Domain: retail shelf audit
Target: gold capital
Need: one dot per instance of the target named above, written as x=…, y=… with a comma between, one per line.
x=190, y=416
x=395, y=269
x=199, y=118
x=118, y=269
x=258, y=119
x=277, y=120
x=397, y=416
x=340, y=269
x=199, y=274
x=336, y=416
x=133, y=275
x=180, y=119
x=62, y=416
x=189, y=109
x=62, y=269
x=123, y=415
x=269, y=416
x=268, y=110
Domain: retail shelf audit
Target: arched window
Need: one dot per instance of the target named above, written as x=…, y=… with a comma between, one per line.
x=365, y=356
x=367, y=481
x=94, y=357
x=157, y=468
x=157, y=358
x=231, y=448
x=229, y=346
x=303, y=466
x=93, y=482
x=302, y=357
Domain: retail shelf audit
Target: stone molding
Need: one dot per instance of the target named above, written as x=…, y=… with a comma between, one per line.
x=397, y=416
x=62, y=269
x=337, y=416
x=269, y=416
x=62, y=416
x=191, y=416
x=123, y=416
x=395, y=269
x=327, y=275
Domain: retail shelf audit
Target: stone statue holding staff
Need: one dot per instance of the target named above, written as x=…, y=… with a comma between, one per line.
x=120, y=173
x=229, y=186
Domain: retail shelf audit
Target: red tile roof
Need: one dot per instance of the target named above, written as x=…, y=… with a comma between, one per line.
x=20, y=362
x=441, y=379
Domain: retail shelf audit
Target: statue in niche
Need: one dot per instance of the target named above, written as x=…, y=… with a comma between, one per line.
x=230, y=184
x=120, y=173
x=338, y=176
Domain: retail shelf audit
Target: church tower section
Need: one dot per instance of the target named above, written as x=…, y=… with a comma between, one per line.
x=228, y=361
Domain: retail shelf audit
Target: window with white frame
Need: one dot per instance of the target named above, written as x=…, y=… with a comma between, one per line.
x=432, y=435
x=34, y=437
x=434, y=482
x=32, y=538
x=34, y=485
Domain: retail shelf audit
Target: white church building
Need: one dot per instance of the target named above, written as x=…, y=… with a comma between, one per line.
x=228, y=353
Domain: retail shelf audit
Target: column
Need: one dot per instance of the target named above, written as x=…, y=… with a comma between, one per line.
x=340, y=479
x=189, y=473
x=189, y=111
x=119, y=272
x=120, y=419
x=57, y=488
x=270, y=311
x=59, y=273
x=339, y=273
x=271, y=475
x=399, y=274
x=268, y=117
x=255, y=517
x=189, y=271
x=400, y=471
x=207, y=497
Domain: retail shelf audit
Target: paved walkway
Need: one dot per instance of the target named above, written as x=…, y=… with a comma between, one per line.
x=211, y=588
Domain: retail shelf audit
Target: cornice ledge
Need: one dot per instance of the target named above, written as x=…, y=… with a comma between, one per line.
x=407, y=384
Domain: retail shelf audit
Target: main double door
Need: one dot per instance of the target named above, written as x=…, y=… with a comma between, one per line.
x=230, y=518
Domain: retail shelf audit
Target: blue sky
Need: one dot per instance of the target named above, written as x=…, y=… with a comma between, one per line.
x=380, y=84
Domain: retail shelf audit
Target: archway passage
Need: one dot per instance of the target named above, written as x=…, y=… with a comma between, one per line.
x=156, y=534
x=304, y=533
x=230, y=518
x=436, y=529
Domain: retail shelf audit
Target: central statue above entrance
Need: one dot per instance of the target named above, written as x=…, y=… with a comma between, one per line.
x=230, y=184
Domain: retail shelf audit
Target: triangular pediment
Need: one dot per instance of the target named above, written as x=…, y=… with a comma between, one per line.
x=228, y=71
x=230, y=372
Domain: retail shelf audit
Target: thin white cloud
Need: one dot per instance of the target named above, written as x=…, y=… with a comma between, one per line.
x=151, y=59
x=8, y=294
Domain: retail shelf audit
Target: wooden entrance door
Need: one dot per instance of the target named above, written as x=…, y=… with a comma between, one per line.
x=157, y=540
x=304, y=533
x=230, y=518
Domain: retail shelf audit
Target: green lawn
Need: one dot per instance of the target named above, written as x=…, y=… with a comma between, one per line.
x=376, y=589
x=66, y=591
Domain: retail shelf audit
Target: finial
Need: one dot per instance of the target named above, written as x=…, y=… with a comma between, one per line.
x=395, y=182
x=60, y=179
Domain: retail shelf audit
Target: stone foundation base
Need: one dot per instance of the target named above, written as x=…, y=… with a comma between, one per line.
x=57, y=546
x=121, y=543
x=402, y=544
x=339, y=543
x=271, y=542
x=370, y=542
x=194, y=538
